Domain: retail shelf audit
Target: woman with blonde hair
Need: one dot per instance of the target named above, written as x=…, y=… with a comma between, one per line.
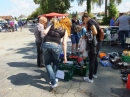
x=52, y=46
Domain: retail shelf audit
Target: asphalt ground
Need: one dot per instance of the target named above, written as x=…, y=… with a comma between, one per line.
x=20, y=76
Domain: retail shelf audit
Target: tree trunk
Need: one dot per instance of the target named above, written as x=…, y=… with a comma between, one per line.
x=88, y=6
x=106, y=8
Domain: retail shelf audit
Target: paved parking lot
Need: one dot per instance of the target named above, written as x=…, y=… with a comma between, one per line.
x=20, y=77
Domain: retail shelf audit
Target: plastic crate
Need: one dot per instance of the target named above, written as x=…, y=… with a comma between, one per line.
x=69, y=71
x=125, y=58
x=82, y=71
x=68, y=59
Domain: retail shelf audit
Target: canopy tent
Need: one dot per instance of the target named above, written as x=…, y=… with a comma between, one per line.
x=53, y=14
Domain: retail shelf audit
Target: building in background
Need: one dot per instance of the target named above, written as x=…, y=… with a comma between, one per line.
x=6, y=18
x=22, y=17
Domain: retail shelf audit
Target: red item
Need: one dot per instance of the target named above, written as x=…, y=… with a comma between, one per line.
x=80, y=59
x=75, y=57
x=128, y=82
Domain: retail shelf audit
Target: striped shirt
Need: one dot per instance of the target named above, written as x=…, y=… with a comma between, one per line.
x=38, y=32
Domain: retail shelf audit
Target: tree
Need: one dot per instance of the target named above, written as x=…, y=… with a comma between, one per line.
x=47, y=6
x=89, y=4
x=34, y=14
x=100, y=2
x=112, y=10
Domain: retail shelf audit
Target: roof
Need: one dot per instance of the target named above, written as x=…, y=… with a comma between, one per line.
x=6, y=17
x=22, y=16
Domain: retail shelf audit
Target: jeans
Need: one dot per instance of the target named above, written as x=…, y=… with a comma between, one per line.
x=51, y=51
x=74, y=38
x=16, y=27
x=122, y=36
x=93, y=60
x=39, y=54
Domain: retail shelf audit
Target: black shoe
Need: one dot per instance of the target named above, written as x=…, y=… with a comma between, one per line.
x=124, y=79
x=124, y=75
x=41, y=65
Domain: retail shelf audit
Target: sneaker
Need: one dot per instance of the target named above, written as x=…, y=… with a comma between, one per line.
x=94, y=76
x=53, y=86
x=88, y=80
x=56, y=81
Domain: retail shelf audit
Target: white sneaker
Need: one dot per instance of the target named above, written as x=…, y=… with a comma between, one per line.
x=88, y=80
x=53, y=86
x=94, y=76
x=56, y=81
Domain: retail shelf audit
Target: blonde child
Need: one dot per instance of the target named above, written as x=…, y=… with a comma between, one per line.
x=81, y=31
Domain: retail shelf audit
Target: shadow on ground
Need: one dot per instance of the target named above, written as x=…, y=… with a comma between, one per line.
x=36, y=81
x=31, y=30
x=21, y=64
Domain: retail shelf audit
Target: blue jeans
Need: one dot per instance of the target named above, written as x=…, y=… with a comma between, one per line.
x=74, y=38
x=51, y=53
x=122, y=36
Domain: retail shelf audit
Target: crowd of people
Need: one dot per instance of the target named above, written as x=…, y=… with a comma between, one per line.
x=51, y=40
x=13, y=25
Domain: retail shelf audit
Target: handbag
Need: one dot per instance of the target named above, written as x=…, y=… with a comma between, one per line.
x=100, y=34
x=91, y=41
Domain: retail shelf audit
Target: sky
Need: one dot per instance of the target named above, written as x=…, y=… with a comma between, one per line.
x=26, y=7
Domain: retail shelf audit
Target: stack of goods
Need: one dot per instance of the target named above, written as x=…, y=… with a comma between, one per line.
x=104, y=60
x=126, y=56
x=115, y=60
x=118, y=61
x=75, y=66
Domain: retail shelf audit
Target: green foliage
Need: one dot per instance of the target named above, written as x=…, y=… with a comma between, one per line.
x=47, y=6
x=34, y=14
x=98, y=14
x=112, y=10
x=105, y=21
x=91, y=15
x=88, y=2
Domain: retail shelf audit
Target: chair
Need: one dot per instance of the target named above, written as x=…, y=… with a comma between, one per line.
x=114, y=35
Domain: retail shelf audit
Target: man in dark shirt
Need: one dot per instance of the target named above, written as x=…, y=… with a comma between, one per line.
x=74, y=36
x=39, y=34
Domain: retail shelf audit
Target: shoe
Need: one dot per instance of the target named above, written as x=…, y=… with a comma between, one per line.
x=124, y=79
x=88, y=80
x=94, y=76
x=41, y=66
x=56, y=81
x=53, y=86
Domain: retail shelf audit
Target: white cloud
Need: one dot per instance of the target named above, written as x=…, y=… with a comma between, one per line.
x=75, y=7
x=124, y=7
x=25, y=7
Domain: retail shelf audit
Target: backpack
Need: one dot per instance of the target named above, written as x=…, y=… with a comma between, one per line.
x=100, y=34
